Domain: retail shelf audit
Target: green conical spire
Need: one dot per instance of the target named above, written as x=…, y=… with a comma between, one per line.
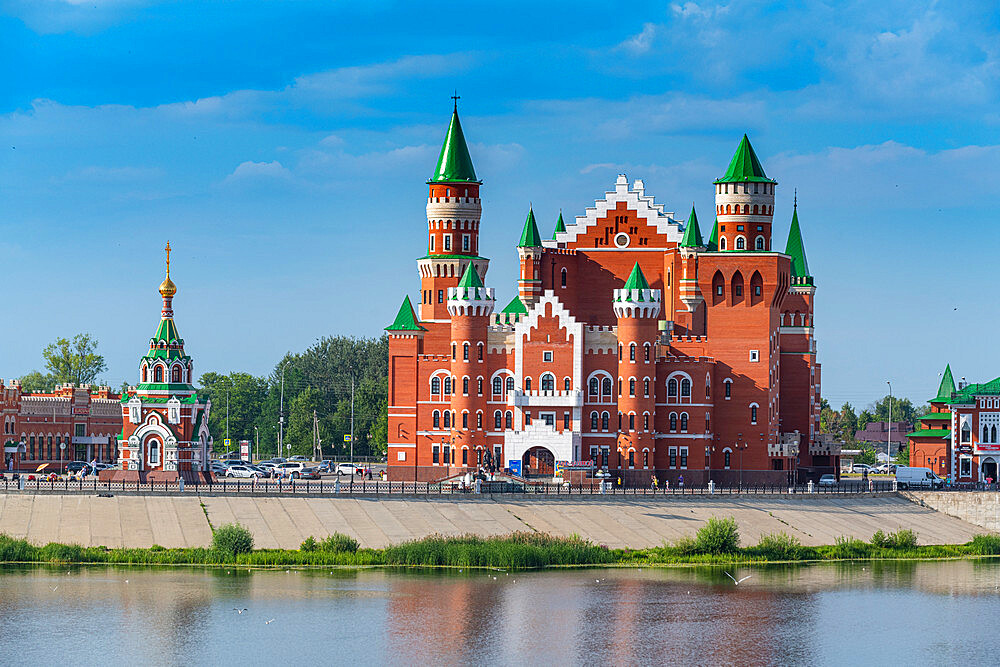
x=636, y=280
x=713, y=239
x=530, y=237
x=515, y=307
x=560, y=226
x=692, y=235
x=796, y=249
x=745, y=166
x=947, y=386
x=406, y=319
x=470, y=278
x=455, y=163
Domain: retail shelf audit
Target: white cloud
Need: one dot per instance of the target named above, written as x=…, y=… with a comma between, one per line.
x=641, y=42
x=258, y=170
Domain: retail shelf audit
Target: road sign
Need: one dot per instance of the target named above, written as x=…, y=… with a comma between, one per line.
x=347, y=438
x=62, y=445
x=245, y=450
x=226, y=442
x=515, y=466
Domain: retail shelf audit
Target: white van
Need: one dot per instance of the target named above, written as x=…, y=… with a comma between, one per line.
x=908, y=477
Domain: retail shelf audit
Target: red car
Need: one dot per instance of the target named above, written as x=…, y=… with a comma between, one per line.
x=308, y=473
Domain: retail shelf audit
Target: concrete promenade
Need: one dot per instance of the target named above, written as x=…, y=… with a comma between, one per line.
x=623, y=521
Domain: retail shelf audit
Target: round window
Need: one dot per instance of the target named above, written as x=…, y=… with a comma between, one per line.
x=622, y=240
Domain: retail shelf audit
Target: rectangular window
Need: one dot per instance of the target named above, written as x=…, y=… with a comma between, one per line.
x=400, y=455
x=546, y=356
x=566, y=421
x=465, y=242
x=440, y=296
x=527, y=419
x=754, y=355
x=465, y=457
x=739, y=228
x=645, y=458
x=549, y=418
x=684, y=457
x=447, y=242
x=760, y=228
x=718, y=290
x=737, y=289
x=673, y=457
x=435, y=454
x=80, y=430
x=432, y=244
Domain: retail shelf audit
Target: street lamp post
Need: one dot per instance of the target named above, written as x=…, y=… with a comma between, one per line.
x=256, y=433
x=739, y=448
x=888, y=441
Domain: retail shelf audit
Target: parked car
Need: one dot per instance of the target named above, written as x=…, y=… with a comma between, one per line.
x=276, y=460
x=909, y=477
x=326, y=466
x=348, y=469
x=309, y=473
x=298, y=457
x=288, y=468
x=828, y=480
x=265, y=467
x=76, y=466
x=243, y=471
x=861, y=468
x=105, y=466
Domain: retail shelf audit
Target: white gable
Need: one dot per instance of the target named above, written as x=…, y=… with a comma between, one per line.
x=636, y=200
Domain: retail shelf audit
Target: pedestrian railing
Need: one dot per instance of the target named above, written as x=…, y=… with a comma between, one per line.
x=364, y=487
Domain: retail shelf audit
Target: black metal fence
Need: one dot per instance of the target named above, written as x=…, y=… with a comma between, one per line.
x=327, y=487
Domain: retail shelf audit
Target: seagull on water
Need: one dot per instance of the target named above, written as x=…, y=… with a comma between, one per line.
x=54, y=589
x=239, y=611
x=268, y=622
x=737, y=581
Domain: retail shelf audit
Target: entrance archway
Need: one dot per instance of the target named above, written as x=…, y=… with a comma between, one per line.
x=538, y=461
x=989, y=469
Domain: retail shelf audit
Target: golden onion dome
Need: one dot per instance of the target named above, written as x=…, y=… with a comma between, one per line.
x=167, y=287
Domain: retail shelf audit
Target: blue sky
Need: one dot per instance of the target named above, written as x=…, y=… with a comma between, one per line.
x=282, y=148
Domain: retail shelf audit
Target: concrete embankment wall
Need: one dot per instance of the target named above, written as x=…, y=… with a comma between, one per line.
x=186, y=520
x=979, y=508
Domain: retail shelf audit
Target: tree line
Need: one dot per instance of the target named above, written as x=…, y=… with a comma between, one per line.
x=316, y=395
x=846, y=422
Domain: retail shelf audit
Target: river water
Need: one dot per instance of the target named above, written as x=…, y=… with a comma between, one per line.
x=882, y=613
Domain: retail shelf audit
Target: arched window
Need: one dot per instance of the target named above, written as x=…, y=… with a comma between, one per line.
x=508, y=420
x=497, y=385
x=759, y=243
x=631, y=458
x=435, y=386
x=673, y=421
x=606, y=387
x=993, y=431
x=718, y=287
x=447, y=385
x=143, y=374
x=548, y=382
x=527, y=384
x=727, y=458
x=593, y=421
x=175, y=374
x=510, y=383
x=645, y=350
x=453, y=349
x=728, y=384
x=722, y=241
x=708, y=423
x=605, y=417
x=753, y=414
x=684, y=422
x=158, y=374
x=631, y=387
x=741, y=243
x=447, y=418
x=595, y=386
x=645, y=388
x=497, y=420
x=986, y=433
x=645, y=422
x=465, y=386
x=686, y=388
x=566, y=384
x=755, y=205
x=465, y=352
x=631, y=422
x=966, y=432
x=563, y=277
x=631, y=352
x=437, y=419
x=479, y=346
x=672, y=388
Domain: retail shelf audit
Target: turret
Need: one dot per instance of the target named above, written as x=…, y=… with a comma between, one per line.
x=166, y=366
x=744, y=202
x=637, y=308
x=690, y=292
x=796, y=249
x=560, y=227
x=453, y=215
x=470, y=305
x=529, y=250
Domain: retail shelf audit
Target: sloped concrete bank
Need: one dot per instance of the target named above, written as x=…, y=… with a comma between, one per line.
x=979, y=508
x=636, y=522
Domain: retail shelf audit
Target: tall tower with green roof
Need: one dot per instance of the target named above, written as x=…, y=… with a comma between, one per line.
x=529, y=251
x=692, y=320
x=744, y=203
x=796, y=249
x=454, y=210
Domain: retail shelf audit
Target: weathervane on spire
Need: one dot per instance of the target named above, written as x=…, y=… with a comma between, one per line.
x=795, y=201
x=456, y=97
x=168, y=257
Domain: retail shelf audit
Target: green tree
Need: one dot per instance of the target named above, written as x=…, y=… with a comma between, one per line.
x=848, y=422
x=246, y=395
x=863, y=419
x=74, y=360
x=902, y=410
x=37, y=382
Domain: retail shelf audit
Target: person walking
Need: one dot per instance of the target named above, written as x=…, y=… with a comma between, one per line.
x=652, y=482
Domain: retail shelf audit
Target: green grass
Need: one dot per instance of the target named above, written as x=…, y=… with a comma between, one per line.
x=716, y=543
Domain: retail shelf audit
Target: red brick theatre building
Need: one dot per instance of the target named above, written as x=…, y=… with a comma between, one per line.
x=633, y=342
x=165, y=431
